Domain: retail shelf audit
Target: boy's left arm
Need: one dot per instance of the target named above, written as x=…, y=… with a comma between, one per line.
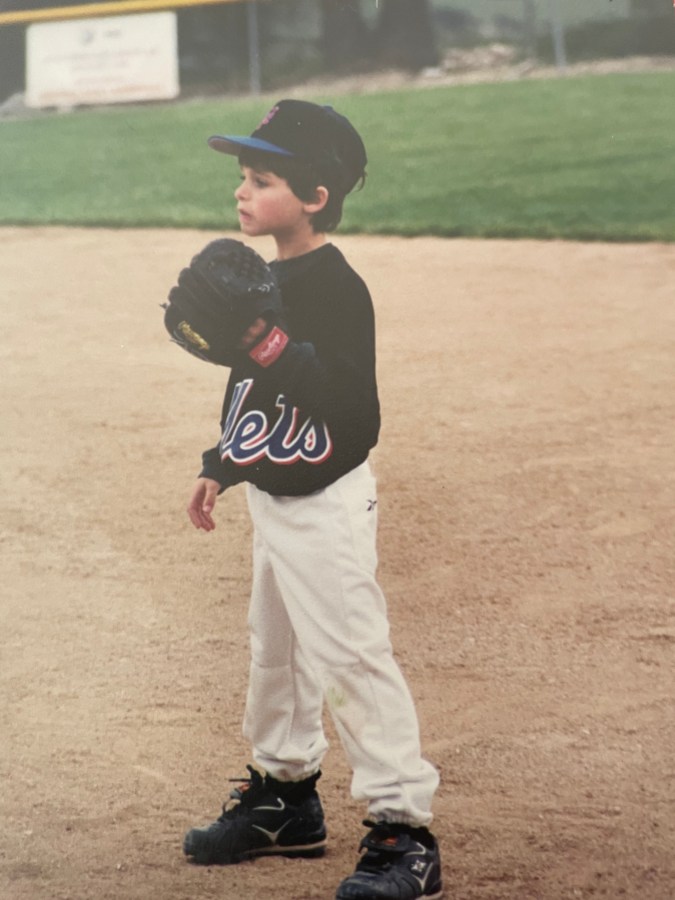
x=337, y=383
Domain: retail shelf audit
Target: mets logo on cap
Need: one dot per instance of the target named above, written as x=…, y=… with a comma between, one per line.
x=268, y=118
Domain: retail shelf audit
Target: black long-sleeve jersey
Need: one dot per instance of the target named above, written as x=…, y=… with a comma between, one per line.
x=313, y=415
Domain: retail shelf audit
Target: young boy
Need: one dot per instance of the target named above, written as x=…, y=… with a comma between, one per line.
x=298, y=428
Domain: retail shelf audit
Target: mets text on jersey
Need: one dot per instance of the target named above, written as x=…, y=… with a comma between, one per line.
x=248, y=438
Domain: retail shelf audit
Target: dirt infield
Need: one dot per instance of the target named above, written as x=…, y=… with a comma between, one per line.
x=527, y=495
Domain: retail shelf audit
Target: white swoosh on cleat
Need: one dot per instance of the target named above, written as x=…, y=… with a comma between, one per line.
x=272, y=835
x=280, y=808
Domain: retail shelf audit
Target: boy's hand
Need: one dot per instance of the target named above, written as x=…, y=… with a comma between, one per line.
x=253, y=333
x=202, y=501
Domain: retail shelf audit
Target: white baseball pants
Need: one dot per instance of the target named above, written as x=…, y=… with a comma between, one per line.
x=319, y=633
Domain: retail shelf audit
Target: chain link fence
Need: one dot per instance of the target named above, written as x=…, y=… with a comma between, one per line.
x=297, y=40
x=296, y=43
x=556, y=30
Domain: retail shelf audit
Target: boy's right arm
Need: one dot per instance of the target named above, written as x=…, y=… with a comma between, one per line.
x=202, y=502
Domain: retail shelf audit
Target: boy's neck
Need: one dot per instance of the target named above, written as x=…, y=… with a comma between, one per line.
x=297, y=245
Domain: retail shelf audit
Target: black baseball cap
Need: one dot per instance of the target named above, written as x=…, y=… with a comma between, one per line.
x=314, y=134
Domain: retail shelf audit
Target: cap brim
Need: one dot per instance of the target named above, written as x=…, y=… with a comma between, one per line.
x=234, y=144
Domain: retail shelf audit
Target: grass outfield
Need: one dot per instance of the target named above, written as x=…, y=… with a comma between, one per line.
x=577, y=158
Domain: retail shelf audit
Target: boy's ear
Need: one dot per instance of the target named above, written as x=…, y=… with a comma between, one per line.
x=319, y=201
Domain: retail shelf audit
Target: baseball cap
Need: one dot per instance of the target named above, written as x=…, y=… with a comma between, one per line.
x=314, y=134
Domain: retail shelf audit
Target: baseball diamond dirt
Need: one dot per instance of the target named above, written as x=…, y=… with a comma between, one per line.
x=527, y=550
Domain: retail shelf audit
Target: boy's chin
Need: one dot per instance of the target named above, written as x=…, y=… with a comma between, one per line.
x=247, y=227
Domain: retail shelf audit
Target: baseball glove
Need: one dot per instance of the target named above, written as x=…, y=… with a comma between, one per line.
x=226, y=288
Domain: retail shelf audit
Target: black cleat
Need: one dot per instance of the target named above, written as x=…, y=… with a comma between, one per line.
x=398, y=863
x=267, y=816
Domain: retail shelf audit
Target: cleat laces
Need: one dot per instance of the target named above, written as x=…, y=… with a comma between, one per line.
x=244, y=796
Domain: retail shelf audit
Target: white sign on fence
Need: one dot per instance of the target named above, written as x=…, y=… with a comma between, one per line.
x=116, y=59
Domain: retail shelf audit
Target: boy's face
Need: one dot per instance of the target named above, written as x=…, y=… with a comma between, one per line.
x=267, y=205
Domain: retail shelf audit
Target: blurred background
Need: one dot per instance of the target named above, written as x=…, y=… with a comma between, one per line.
x=265, y=44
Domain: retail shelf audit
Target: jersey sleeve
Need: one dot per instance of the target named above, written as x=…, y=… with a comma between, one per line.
x=213, y=468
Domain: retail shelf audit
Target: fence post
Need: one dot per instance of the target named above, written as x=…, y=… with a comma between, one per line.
x=530, y=28
x=558, y=34
x=253, y=47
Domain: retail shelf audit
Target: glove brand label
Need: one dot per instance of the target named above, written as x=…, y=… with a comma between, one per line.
x=249, y=438
x=269, y=349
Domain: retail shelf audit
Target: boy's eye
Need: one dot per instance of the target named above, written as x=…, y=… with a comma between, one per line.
x=260, y=181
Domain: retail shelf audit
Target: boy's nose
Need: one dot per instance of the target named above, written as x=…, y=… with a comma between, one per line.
x=239, y=193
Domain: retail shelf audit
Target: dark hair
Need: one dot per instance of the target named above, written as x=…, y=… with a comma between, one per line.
x=303, y=179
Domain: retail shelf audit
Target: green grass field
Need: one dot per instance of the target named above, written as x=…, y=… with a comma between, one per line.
x=585, y=158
